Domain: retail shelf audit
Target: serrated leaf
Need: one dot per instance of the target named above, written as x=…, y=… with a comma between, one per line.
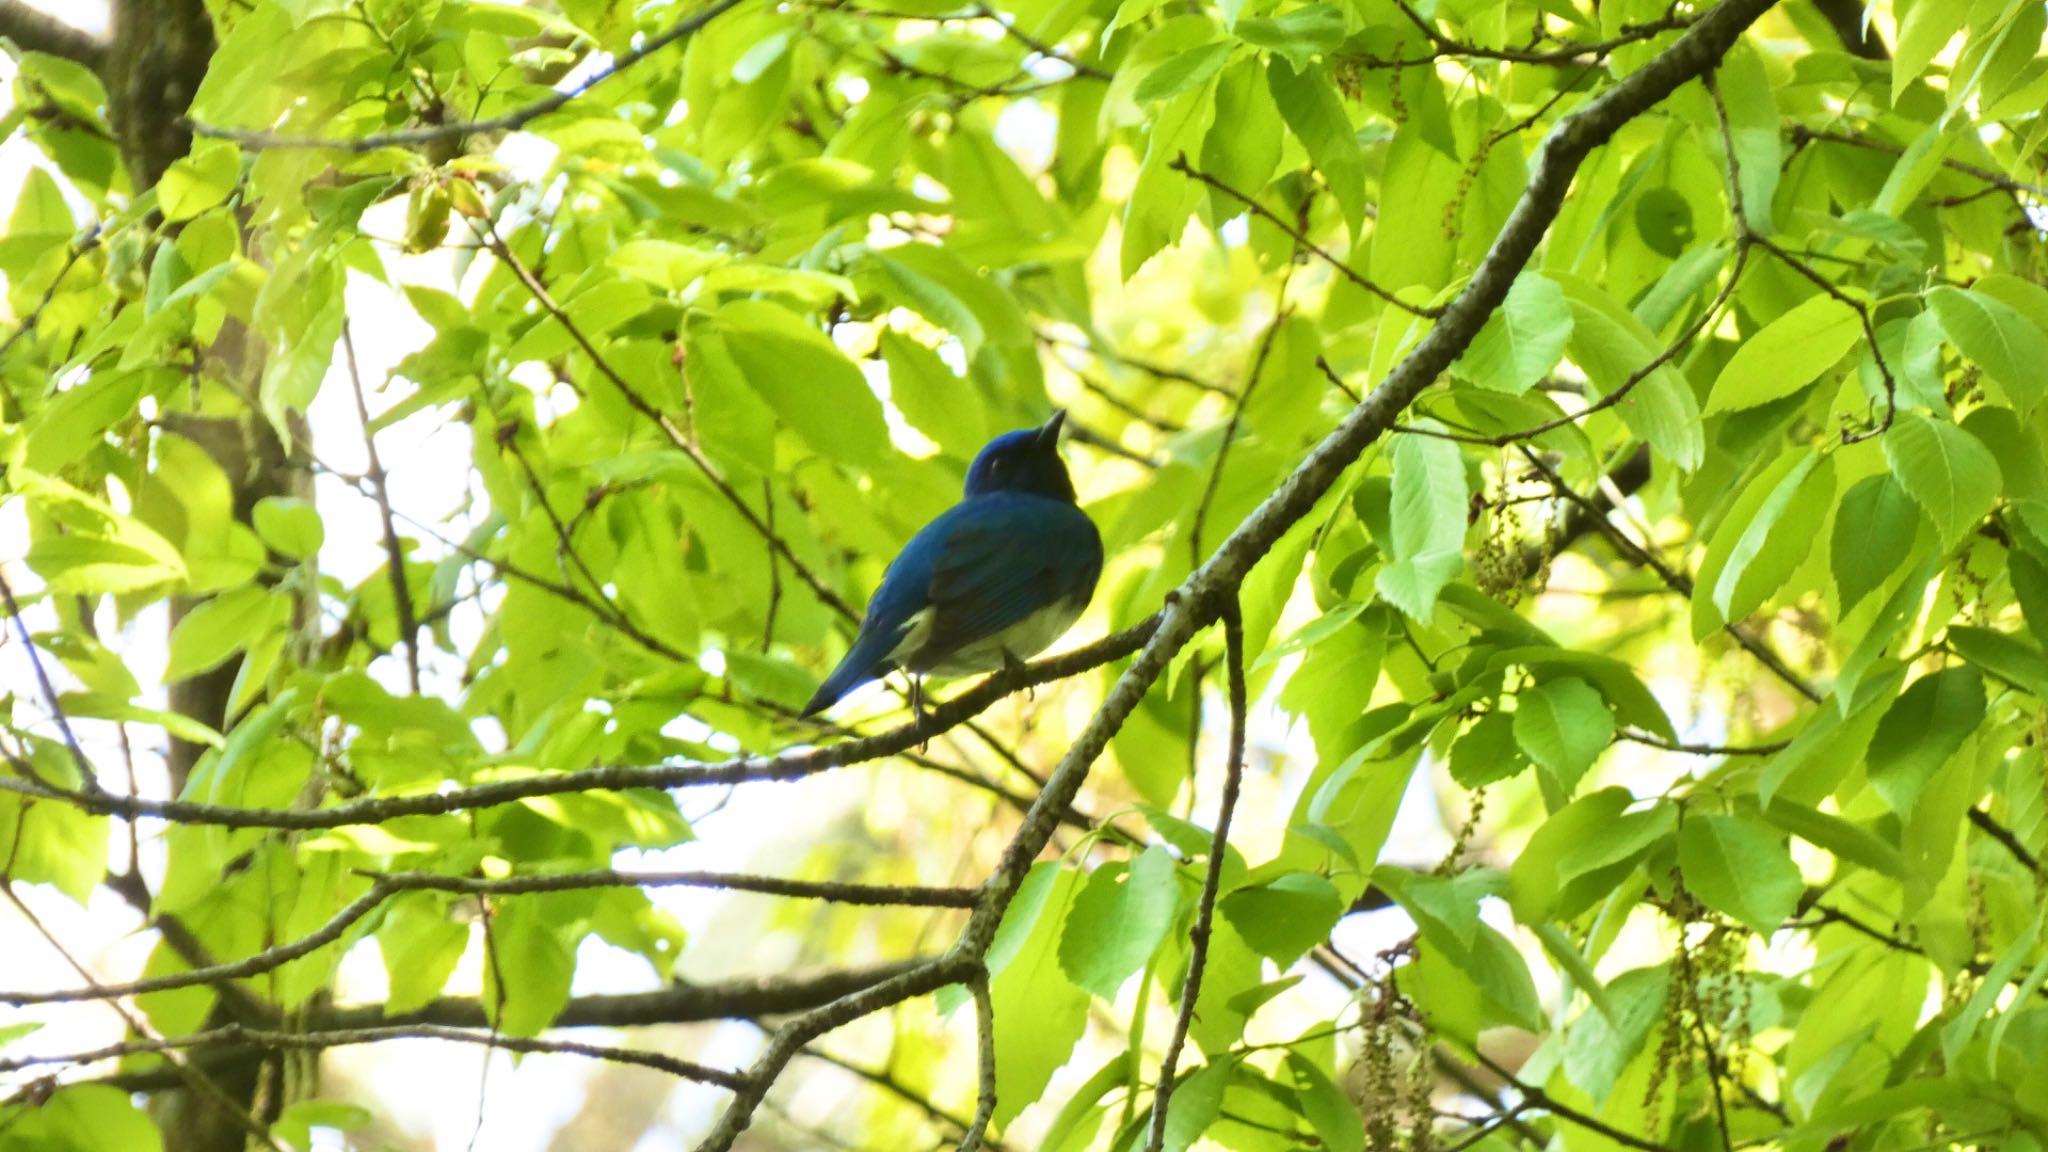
x=290, y=526
x=1752, y=131
x=1786, y=355
x=1487, y=752
x=1739, y=869
x=220, y=627
x=1428, y=521
x=1117, y=921
x=1996, y=337
x=1613, y=347
x=1563, y=725
x=1921, y=730
x=1944, y=469
x=1522, y=340
x=1283, y=919
x=201, y=180
x=1039, y=1014
x=1309, y=103
x=1874, y=530
x=1773, y=541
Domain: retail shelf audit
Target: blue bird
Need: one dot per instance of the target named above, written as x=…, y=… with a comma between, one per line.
x=990, y=582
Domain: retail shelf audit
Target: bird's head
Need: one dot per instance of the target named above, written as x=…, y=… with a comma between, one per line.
x=1027, y=460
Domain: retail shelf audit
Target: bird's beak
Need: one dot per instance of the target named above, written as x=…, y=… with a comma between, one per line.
x=1049, y=432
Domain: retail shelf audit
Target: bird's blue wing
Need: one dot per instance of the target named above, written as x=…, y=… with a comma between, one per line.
x=983, y=566
x=897, y=600
x=1003, y=558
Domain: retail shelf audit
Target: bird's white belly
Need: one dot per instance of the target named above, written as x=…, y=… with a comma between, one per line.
x=1022, y=640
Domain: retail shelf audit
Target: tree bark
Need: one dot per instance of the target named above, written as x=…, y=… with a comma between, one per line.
x=153, y=66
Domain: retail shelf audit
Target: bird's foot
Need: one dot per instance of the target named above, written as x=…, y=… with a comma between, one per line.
x=1013, y=670
x=919, y=714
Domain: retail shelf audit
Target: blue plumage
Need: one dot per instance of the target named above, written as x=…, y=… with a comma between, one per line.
x=994, y=578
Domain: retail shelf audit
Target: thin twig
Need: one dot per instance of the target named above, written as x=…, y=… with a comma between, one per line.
x=83, y=245
x=88, y=780
x=1212, y=879
x=790, y=765
x=1342, y=268
x=193, y=1079
x=384, y=886
x=380, y=487
x=253, y=140
x=242, y=1035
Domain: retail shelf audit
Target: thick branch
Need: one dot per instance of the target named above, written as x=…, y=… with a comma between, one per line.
x=37, y=31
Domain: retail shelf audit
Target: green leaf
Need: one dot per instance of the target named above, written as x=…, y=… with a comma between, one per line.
x=1773, y=541
x=1410, y=244
x=1847, y=840
x=220, y=627
x=201, y=180
x=533, y=960
x=1746, y=92
x=1310, y=106
x=1921, y=730
x=1522, y=340
x=1446, y=906
x=100, y=706
x=1945, y=470
x=421, y=945
x=1786, y=355
x=82, y=1118
x=1428, y=522
x=1538, y=879
x=1739, y=869
x=1997, y=337
x=1243, y=144
x=1118, y=920
x=1680, y=283
x=809, y=382
x=55, y=844
x=1630, y=698
x=1326, y=1107
x=1874, y=530
x=1196, y=1102
x=1299, y=35
x=93, y=565
x=2007, y=657
x=1283, y=919
x=1563, y=725
x=1183, y=72
x=290, y=526
x=1613, y=347
x=1925, y=28
x=1487, y=752
x=1040, y=1014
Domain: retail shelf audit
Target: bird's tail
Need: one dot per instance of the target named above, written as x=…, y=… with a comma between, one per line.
x=867, y=660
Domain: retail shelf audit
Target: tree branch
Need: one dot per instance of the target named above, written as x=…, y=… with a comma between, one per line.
x=35, y=30
x=384, y=887
x=985, y=1061
x=793, y=765
x=236, y=1036
x=1212, y=878
x=681, y=30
